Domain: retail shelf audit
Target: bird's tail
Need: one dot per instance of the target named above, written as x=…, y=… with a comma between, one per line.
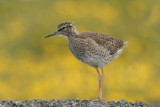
x=125, y=43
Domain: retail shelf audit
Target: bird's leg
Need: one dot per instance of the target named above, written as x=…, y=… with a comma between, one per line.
x=101, y=78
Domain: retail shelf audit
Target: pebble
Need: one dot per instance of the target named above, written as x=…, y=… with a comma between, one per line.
x=72, y=103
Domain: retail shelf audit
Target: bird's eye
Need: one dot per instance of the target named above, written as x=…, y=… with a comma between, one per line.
x=61, y=28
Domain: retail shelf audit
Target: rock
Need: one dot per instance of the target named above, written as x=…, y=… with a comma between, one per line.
x=72, y=103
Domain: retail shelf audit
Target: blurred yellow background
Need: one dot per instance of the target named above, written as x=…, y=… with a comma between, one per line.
x=32, y=67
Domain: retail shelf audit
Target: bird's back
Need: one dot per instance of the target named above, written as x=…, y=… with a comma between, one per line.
x=108, y=42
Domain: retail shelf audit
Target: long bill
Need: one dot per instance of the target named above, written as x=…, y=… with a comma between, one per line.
x=54, y=33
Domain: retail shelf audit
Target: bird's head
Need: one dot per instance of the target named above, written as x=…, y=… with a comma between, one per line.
x=65, y=28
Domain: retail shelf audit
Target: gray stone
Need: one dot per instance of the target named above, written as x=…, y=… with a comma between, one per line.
x=73, y=103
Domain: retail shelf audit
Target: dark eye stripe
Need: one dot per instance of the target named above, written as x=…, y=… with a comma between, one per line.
x=61, y=28
x=64, y=28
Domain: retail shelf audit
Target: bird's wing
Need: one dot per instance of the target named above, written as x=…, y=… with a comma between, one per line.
x=81, y=47
x=106, y=41
x=84, y=44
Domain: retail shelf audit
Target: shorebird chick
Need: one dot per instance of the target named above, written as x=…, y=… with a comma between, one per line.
x=94, y=49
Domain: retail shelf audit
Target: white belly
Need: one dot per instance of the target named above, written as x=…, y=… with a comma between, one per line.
x=98, y=61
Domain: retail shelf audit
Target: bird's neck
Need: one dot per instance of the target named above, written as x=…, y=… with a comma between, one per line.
x=72, y=35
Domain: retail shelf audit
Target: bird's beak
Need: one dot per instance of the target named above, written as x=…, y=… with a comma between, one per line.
x=54, y=33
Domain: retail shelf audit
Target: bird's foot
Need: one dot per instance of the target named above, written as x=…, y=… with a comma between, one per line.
x=101, y=98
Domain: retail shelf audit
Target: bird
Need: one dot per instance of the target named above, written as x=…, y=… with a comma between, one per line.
x=92, y=48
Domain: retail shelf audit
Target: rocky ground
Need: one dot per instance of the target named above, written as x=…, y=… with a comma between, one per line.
x=72, y=103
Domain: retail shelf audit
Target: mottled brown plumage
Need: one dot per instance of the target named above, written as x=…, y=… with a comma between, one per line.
x=94, y=49
x=104, y=40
